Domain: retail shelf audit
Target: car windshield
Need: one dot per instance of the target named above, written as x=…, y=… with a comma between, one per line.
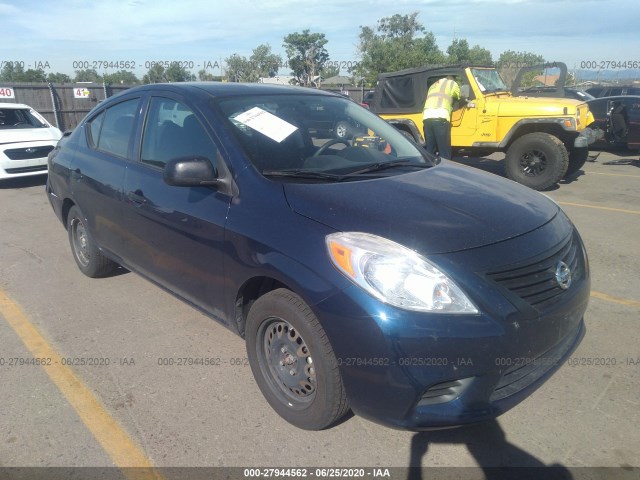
x=318, y=138
x=489, y=80
x=19, y=118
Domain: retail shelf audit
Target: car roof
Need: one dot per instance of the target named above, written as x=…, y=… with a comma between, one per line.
x=223, y=89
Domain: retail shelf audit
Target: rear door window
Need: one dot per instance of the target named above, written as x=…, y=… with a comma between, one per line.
x=111, y=131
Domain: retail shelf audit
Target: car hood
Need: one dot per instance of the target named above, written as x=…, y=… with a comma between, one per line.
x=443, y=209
x=19, y=135
x=537, y=106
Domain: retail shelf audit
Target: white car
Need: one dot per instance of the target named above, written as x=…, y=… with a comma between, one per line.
x=26, y=139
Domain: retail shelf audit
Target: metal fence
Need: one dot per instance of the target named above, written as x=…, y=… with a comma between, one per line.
x=63, y=105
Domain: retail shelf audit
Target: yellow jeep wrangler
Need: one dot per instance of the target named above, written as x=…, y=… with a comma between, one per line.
x=544, y=138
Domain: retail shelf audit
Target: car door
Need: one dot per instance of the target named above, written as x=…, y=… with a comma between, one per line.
x=98, y=169
x=175, y=234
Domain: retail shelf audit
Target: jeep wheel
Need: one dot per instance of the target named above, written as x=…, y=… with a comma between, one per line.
x=577, y=157
x=538, y=160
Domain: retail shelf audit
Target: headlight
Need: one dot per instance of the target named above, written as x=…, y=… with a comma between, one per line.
x=395, y=274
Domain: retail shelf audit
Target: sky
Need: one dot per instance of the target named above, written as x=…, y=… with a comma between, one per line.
x=65, y=35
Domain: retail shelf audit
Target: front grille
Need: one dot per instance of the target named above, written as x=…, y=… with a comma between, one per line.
x=38, y=168
x=536, y=282
x=444, y=392
x=28, y=153
x=525, y=372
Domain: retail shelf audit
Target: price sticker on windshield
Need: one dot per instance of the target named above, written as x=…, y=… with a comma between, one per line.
x=266, y=123
x=6, y=92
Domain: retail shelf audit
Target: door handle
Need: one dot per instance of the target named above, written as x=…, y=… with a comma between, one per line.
x=137, y=198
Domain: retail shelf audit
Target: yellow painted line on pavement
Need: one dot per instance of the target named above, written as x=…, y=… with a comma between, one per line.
x=120, y=447
x=618, y=300
x=621, y=210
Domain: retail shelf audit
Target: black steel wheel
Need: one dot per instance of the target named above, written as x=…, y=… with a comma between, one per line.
x=538, y=160
x=293, y=362
x=85, y=252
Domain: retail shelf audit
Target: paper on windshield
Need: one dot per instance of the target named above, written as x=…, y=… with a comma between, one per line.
x=266, y=123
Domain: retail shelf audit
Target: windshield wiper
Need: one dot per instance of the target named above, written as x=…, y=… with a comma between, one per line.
x=298, y=173
x=375, y=167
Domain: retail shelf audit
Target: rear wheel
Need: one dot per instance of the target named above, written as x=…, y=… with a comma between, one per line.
x=577, y=158
x=85, y=252
x=293, y=362
x=538, y=160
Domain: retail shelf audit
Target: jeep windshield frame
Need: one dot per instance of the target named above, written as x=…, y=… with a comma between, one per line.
x=488, y=80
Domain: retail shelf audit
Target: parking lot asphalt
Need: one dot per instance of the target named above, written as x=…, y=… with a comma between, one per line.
x=125, y=329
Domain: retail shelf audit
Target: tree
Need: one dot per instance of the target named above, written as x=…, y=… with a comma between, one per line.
x=205, y=76
x=239, y=69
x=177, y=73
x=88, y=75
x=459, y=52
x=58, y=78
x=330, y=71
x=511, y=62
x=398, y=42
x=263, y=62
x=121, y=77
x=306, y=55
x=155, y=74
x=15, y=72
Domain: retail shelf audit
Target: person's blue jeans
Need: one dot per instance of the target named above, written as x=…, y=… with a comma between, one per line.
x=437, y=133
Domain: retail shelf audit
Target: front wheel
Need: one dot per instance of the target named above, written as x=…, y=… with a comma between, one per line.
x=85, y=252
x=538, y=160
x=293, y=362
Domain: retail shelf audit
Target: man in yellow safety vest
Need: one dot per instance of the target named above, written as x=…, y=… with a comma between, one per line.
x=437, y=115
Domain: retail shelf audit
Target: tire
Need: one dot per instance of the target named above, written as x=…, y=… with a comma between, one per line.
x=293, y=362
x=538, y=160
x=343, y=130
x=577, y=158
x=85, y=251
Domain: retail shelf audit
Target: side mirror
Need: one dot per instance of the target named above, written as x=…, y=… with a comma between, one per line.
x=464, y=92
x=190, y=172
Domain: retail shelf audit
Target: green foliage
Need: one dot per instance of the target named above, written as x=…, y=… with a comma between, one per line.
x=155, y=74
x=88, y=75
x=239, y=69
x=459, y=52
x=397, y=43
x=330, y=71
x=173, y=73
x=121, y=77
x=261, y=63
x=306, y=55
x=15, y=72
x=205, y=76
x=177, y=73
x=58, y=78
x=511, y=62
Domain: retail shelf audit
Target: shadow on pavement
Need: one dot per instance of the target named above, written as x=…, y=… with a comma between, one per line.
x=495, y=456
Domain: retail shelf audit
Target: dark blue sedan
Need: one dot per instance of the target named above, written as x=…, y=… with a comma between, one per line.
x=362, y=273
